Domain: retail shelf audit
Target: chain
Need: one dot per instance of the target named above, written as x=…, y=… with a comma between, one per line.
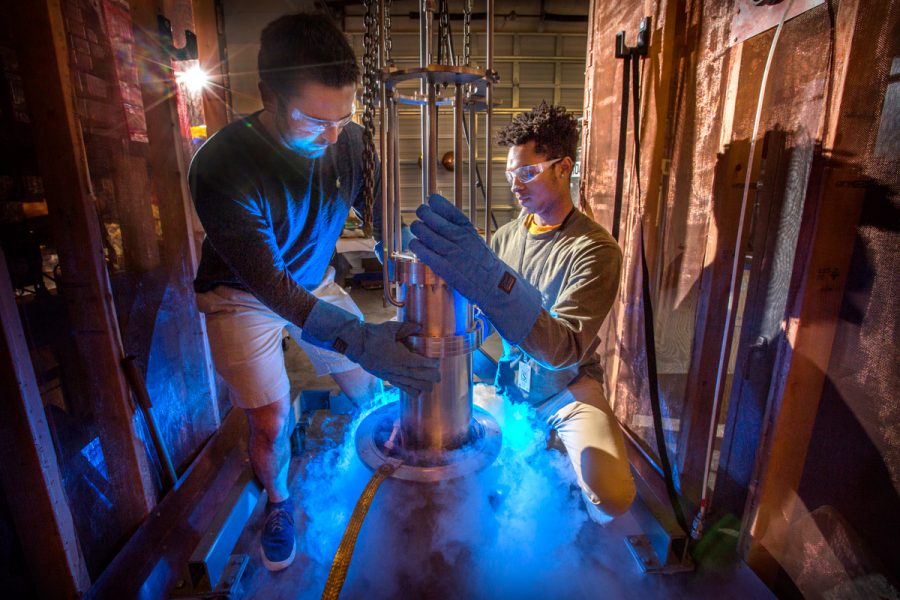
x=444, y=32
x=387, y=33
x=370, y=89
x=467, y=33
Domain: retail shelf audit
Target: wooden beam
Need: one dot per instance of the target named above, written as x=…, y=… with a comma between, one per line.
x=709, y=330
x=824, y=253
x=166, y=158
x=182, y=233
x=740, y=86
x=209, y=38
x=149, y=564
x=28, y=467
x=84, y=283
x=811, y=325
x=747, y=396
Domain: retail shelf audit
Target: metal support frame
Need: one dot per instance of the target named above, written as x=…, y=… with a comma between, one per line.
x=663, y=545
x=435, y=424
x=213, y=571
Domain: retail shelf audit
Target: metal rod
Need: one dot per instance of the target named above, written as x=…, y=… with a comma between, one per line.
x=458, y=147
x=430, y=156
x=387, y=238
x=489, y=100
x=473, y=169
x=425, y=35
x=397, y=198
x=390, y=207
x=387, y=208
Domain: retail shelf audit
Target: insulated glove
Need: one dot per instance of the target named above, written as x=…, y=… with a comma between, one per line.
x=378, y=349
x=447, y=242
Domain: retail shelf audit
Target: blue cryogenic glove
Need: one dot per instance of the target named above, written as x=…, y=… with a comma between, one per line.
x=447, y=242
x=378, y=349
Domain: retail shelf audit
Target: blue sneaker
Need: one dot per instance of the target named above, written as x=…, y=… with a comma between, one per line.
x=277, y=542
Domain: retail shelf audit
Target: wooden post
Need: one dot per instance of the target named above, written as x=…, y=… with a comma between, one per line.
x=84, y=283
x=28, y=468
x=167, y=164
x=135, y=213
x=727, y=189
x=820, y=273
x=811, y=325
x=206, y=23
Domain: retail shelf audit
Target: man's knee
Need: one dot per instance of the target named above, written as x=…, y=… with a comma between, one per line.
x=612, y=501
x=268, y=424
x=608, y=482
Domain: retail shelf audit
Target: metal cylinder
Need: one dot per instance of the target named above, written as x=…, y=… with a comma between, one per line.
x=438, y=420
x=441, y=434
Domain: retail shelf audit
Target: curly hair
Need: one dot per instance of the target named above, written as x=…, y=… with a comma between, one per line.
x=554, y=131
x=305, y=47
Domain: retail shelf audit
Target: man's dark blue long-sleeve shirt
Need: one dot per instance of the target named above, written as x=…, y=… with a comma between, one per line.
x=273, y=217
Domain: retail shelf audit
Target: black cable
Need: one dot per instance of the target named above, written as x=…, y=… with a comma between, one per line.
x=620, y=164
x=632, y=71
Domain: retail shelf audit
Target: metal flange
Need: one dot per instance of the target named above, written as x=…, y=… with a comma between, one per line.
x=407, y=269
x=375, y=446
x=418, y=100
x=437, y=74
x=451, y=345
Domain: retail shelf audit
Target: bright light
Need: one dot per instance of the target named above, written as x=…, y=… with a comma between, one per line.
x=194, y=79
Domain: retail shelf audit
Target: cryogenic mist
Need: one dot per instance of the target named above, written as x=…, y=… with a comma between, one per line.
x=506, y=532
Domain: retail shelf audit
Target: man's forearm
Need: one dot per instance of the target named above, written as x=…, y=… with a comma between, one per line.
x=559, y=344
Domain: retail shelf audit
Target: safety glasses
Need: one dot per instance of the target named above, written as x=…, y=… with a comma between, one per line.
x=527, y=173
x=315, y=126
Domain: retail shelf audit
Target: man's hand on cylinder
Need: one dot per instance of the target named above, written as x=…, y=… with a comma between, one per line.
x=449, y=244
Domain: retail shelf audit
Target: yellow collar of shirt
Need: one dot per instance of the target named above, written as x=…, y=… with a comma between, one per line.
x=534, y=228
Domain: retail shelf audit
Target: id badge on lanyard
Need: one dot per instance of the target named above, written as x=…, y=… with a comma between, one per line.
x=523, y=376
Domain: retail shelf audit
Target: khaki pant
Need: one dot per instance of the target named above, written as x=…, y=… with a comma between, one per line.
x=593, y=439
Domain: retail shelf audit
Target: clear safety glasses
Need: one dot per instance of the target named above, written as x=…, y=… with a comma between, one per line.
x=527, y=173
x=315, y=126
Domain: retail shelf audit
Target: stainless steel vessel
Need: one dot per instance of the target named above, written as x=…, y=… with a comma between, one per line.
x=437, y=420
x=439, y=434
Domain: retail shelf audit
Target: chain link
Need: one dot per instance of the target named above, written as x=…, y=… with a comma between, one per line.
x=467, y=33
x=370, y=90
x=387, y=34
x=444, y=33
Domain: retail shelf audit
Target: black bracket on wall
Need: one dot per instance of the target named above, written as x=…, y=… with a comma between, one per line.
x=187, y=52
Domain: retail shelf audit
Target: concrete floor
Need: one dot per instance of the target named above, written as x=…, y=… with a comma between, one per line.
x=604, y=567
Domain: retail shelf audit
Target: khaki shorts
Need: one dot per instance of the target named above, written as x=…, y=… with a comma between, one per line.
x=245, y=338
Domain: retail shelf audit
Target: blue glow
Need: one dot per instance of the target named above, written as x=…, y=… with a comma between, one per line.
x=508, y=531
x=93, y=453
x=100, y=495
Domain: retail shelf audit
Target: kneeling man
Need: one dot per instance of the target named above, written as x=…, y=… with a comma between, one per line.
x=546, y=284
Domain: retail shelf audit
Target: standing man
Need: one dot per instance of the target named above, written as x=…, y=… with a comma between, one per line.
x=273, y=191
x=546, y=285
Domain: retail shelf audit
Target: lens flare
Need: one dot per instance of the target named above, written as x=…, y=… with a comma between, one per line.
x=194, y=78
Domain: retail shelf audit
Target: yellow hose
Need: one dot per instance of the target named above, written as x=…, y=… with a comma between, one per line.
x=344, y=553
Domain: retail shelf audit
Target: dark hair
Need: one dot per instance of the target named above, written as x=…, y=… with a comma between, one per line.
x=305, y=47
x=554, y=131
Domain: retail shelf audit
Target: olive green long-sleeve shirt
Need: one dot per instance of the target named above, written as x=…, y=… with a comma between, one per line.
x=577, y=268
